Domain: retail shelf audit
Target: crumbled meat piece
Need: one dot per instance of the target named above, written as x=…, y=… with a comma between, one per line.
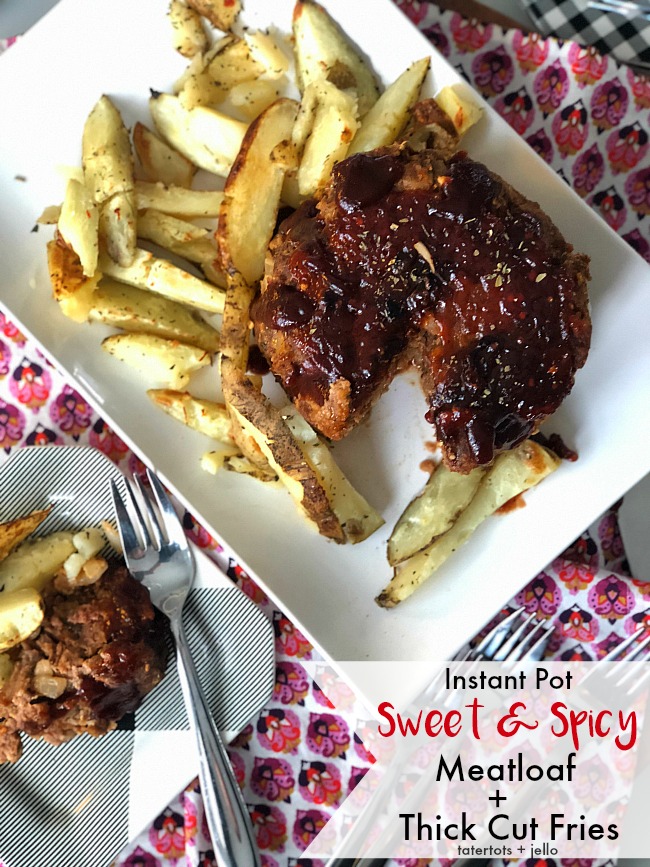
x=105, y=641
x=416, y=257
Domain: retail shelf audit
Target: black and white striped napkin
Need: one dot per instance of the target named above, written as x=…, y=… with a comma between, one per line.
x=80, y=803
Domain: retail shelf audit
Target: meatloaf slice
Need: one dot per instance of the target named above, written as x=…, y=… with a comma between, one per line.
x=102, y=645
x=414, y=257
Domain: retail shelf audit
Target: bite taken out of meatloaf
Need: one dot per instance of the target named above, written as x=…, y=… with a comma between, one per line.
x=416, y=258
x=98, y=652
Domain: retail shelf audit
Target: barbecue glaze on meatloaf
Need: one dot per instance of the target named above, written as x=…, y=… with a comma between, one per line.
x=103, y=643
x=411, y=257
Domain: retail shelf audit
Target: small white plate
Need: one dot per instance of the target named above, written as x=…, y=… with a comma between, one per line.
x=81, y=802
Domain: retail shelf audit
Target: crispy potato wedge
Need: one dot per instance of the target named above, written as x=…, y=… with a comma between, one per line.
x=184, y=239
x=12, y=533
x=458, y=102
x=178, y=201
x=267, y=52
x=72, y=289
x=389, y=115
x=251, y=98
x=35, y=562
x=247, y=219
x=235, y=325
x=433, y=512
x=210, y=139
x=324, y=51
x=334, y=124
x=356, y=516
x=221, y=13
x=511, y=473
x=264, y=424
x=160, y=276
x=233, y=64
x=205, y=416
x=196, y=86
x=78, y=225
x=107, y=158
x=144, y=312
x=167, y=362
x=117, y=227
x=21, y=613
x=160, y=162
x=189, y=36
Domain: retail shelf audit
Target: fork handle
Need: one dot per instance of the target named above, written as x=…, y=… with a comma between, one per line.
x=226, y=814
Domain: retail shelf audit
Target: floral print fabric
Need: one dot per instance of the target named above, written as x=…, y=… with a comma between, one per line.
x=587, y=117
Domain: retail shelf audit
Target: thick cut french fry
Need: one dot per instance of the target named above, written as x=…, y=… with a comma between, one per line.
x=178, y=201
x=458, y=102
x=356, y=516
x=160, y=276
x=205, y=416
x=264, y=424
x=247, y=219
x=210, y=139
x=106, y=152
x=184, y=239
x=266, y=51
x=233, y=64
x=78, y=225
x=117, y=227
x=334, y=124
x=389, y=115
x=161, y=361
x=138, y=310
x=160, y=162
x=323, y=51
x=445, y=496
x=251, y=98
x=221, y=13
x=512, y=473
x=21, y=613
x=35, y=562
x=12, y=533
x=189, y=36
x=72, y=289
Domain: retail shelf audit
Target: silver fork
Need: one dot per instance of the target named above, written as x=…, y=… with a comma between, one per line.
x=158, y=555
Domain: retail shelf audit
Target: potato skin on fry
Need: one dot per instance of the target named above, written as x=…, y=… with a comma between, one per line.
x=264, y=423
x=324, y=51
x=512, y=473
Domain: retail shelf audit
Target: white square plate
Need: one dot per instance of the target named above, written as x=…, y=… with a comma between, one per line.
x=49, y=82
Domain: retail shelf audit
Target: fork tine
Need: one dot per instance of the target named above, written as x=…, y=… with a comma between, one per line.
x=172, y=522
x=486, y=645
x=128, y=535
x=533, y=643
x=152, y=523
x=614, y=655
x=513, y=639
x=630, y=670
